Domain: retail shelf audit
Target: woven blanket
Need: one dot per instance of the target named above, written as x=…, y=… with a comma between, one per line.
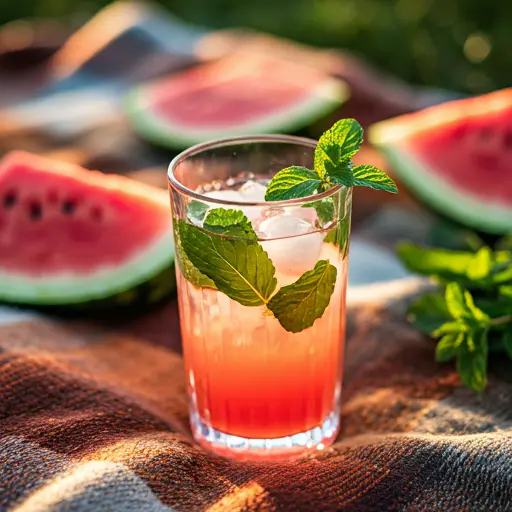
x=94, y=418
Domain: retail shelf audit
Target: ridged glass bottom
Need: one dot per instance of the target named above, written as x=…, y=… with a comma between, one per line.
x=243, y=448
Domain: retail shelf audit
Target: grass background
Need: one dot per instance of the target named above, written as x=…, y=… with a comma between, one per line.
x=463, y=45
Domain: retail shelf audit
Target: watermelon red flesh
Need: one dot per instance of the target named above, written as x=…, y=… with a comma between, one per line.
x=473, y=154
x=456, y=157
x=67, y=233
x=242, y=95
x=216, y=96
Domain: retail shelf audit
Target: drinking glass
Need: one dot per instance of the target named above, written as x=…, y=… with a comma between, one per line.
x=256, y=390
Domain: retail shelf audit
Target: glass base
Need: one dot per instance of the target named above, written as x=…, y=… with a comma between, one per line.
x=282, y=448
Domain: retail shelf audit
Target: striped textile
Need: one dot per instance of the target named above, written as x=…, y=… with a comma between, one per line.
x=94, y=418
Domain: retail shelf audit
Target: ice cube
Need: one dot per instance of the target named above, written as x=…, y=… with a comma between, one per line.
x=225, y=195
x=294, y=247
x=253, y=192
x=284, y=226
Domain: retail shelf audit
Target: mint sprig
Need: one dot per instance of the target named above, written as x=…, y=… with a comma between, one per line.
x=337, y=146
x=474, y=314
x=226, y=252
x=332, y=166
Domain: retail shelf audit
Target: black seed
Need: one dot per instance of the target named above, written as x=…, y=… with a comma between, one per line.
x=68, y=207
x=10, y=200
x=35, y=211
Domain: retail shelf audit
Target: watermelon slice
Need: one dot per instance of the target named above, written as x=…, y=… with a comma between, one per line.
x=456, y=157
x=241, y=95
x=71, y=236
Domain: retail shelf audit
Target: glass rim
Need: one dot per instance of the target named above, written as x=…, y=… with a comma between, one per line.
x=244, y=139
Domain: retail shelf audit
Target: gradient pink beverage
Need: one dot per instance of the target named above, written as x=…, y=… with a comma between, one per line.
x=248, y=376
x=257, y=390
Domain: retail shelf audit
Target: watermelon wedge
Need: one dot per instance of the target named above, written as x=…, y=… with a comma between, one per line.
x=72, y=236
x=456, y=157
x=240, y=95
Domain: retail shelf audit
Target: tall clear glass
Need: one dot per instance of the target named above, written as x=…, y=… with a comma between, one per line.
x=257, y=390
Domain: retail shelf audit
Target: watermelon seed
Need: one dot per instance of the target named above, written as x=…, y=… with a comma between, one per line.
x=68, y=207
x=507, y=140
x=35, y=211
x=10, y=200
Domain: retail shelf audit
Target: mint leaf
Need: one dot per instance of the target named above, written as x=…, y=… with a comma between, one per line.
x=338, y=145
x=451, y=328
x=472, y=360
x=341, y=174
x=442, y=263
x=507, y=342
x=324, y=209
x=455, y=301
x=479, y=267
x=196, y=210
x=475, y=313
x=370, y=176
x=502, y=276
x=239, y=268
x=506, y=291
x=461, y=306
x=448, y=347
x=428, y=312
x=291, y=183
x=230, y=223
x=190, y=273
x=299, y=304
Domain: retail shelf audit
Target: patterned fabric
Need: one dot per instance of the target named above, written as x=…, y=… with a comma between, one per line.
x=95, y=419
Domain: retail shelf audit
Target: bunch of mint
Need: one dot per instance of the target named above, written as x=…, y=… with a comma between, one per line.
x=471, y=314
x=333, y=166
x=225, y=254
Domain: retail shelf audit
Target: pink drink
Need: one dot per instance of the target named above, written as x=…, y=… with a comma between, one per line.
x=248, y=376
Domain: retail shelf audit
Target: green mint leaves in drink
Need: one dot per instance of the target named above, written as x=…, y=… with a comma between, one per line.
x=238, y=267
x=471, y=315
x=229, y=223
x=299, y=304
x=226, y=252
x=332, y=166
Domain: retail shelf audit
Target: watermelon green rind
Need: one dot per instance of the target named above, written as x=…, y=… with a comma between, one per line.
x=439, y=194
x=323, y=100
x=72, y=289
x=444, y=198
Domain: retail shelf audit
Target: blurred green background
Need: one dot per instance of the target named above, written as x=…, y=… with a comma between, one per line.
x=462, y=45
